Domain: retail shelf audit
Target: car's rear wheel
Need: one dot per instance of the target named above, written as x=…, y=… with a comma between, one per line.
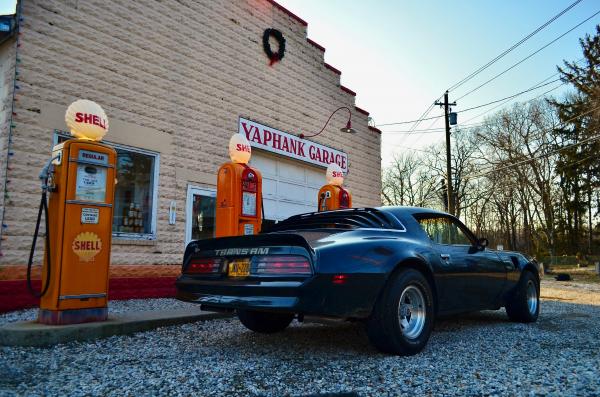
x=403, y=316
x=265, y=322
x=524, y=304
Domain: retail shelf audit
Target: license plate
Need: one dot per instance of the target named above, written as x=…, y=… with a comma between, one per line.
x=239, y=268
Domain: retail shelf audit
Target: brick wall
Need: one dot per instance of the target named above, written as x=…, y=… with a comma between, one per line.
x=186, y=69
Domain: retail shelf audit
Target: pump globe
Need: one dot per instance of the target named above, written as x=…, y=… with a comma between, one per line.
x=334, y=174
x=239, y=149
x=86, y=120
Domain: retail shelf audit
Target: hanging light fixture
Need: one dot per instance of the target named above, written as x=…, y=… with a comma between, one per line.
x=347, y=129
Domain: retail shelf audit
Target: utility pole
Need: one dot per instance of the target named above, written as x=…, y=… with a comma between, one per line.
x=446, y=106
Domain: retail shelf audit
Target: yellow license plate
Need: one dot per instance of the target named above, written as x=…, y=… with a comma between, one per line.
x=239, y=268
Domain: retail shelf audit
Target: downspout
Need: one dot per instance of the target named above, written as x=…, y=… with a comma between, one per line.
x=8, y=154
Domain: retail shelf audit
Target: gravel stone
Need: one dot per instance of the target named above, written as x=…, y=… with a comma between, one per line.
x=479, y=354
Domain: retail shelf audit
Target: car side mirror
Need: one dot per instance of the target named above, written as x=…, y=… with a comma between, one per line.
x=482, y=243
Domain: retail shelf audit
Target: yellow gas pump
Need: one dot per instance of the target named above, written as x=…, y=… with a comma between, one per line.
x=333, y=196
x=239, y=193
x=80, y=180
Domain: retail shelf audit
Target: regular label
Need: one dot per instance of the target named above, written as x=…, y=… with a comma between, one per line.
x=93, y=157
x=248, y=229
x=90, y=215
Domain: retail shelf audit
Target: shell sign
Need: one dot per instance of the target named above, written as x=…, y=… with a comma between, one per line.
x=334, y=175
x=239, y=149
x=86, y=246
x=86, y=120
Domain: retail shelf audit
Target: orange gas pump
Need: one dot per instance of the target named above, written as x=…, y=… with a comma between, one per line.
x=80, y=179
x=333, y=196
x=239, y=193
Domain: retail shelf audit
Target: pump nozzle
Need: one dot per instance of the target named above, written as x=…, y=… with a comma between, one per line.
x=47, y=172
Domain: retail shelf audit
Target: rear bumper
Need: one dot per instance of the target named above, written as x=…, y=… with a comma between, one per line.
x=315, y=295
x=253, y=294
x=276, y=303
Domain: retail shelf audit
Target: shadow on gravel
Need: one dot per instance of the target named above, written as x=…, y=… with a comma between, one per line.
x=335, y=339
x=470, y=320
x=341, y=338
x=350, y=338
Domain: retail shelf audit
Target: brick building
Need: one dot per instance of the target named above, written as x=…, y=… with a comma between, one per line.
x=176, y=79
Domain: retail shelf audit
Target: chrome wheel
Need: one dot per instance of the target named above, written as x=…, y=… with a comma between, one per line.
x=411, y=312
x=532, y=297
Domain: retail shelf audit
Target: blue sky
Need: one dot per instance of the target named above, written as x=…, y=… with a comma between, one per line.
x=399, y=56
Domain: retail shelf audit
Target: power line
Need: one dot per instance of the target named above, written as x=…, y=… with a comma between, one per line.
x=527, y=57
x=475, y=107
x=427, y=111
x=508, y=97
x=530, y=100
x=590, y=139
x=503, y=103
x=524, y=39
x=430, y=130
x=415, y=125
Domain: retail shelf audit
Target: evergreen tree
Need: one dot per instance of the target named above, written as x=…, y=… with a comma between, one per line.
x=578, y=167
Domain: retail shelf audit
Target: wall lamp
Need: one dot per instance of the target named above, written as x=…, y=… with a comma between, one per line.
x=347, y=129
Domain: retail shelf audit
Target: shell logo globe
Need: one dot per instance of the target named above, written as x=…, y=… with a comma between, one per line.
x=86, y=120
x=334, y=174
x=239, y=149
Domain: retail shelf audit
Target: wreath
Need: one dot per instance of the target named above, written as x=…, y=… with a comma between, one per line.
x=277, y=35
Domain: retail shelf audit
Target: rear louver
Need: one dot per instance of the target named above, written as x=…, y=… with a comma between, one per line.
x=343, y=219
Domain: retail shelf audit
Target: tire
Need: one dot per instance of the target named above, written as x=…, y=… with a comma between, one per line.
x=524, y=304
x=265, y=322
x=403, y=316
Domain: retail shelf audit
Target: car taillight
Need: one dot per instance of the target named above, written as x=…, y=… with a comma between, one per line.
x=339, y=279
x=204, y=266
x=281, y=265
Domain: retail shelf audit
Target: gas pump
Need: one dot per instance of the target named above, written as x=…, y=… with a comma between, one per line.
x=80, y=181
x=333, y=196
x=239, y=193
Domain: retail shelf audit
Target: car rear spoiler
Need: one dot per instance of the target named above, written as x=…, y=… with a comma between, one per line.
x=252, y=241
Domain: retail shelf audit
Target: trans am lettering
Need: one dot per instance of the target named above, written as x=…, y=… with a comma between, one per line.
x=242, y=251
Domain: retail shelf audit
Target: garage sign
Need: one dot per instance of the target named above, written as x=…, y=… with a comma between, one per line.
x=286, y=144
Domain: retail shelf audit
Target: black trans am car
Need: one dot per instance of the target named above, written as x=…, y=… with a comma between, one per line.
x=395, y=268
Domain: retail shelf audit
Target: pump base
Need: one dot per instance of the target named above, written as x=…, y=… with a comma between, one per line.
x=75, y=316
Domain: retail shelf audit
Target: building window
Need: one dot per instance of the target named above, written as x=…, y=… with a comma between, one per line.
x=134, y=215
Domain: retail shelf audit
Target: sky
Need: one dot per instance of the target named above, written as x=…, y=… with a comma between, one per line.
x=399, y=56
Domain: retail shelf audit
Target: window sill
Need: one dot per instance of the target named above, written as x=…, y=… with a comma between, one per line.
x=119, y=240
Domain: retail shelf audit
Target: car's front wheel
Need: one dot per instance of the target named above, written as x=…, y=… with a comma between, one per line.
x=403, y=316
x=264, y=322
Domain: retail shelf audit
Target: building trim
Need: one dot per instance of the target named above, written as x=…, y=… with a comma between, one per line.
x=359, y=110
x=288, y=12
x=347, y=90
x=315, y=44
x=375, y=129
x=334, y=70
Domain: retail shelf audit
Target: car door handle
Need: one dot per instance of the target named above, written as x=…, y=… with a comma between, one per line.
x=445, y=257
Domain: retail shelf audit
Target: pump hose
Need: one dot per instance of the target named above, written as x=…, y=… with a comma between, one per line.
x=43, y=207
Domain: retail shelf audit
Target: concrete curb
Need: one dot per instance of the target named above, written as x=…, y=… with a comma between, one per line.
x=30, y=333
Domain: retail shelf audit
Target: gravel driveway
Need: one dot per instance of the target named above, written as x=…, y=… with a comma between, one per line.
x=477, y=354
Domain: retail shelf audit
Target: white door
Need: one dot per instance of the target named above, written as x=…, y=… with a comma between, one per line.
x=200, y=213
x=290, y=187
